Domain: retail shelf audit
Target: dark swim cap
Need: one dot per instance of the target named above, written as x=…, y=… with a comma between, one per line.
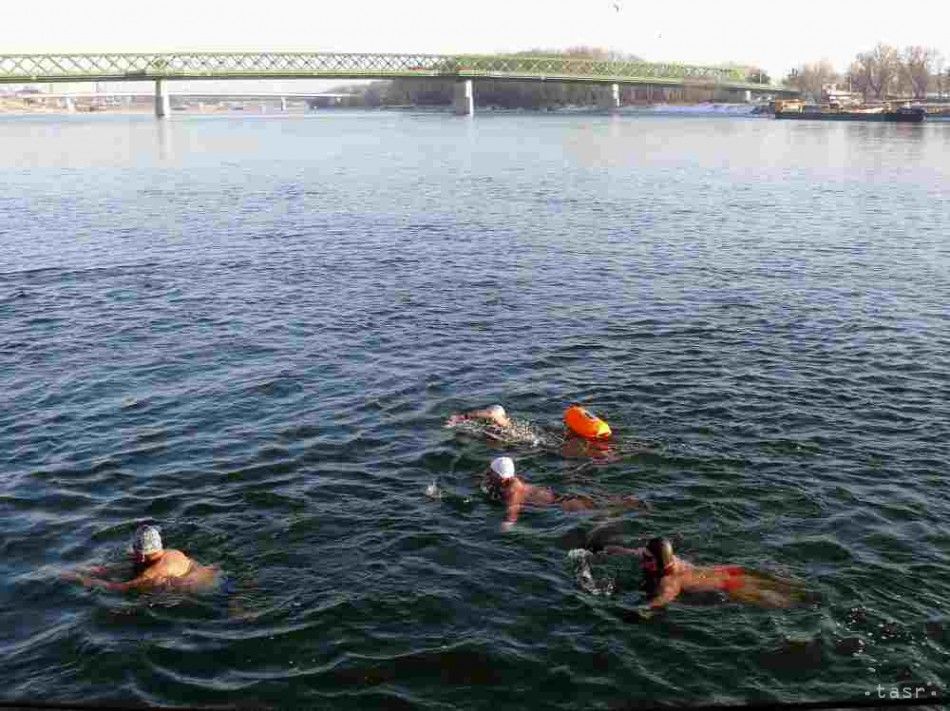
x=662, y=551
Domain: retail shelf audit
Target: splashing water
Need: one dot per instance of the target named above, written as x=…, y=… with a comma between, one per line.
x=585, y=577
x=433, y=491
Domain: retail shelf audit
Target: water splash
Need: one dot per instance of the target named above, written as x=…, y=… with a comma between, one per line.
x=433, y=491
x=581, y=558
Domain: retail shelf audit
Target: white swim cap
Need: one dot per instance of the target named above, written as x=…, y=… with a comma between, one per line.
x=503, y=467
x=497, y=411
x=147, y=540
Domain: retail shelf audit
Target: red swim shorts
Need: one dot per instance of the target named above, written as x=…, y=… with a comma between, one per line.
x=733, y=577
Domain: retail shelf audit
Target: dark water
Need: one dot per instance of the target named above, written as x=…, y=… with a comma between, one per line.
x=249, y=330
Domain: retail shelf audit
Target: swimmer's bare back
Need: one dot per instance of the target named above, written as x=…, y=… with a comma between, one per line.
x=747, y=586
x=200, y=577
x=583, y=502
x=576, y=502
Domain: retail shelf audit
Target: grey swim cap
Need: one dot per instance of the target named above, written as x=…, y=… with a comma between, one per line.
x=147, y=540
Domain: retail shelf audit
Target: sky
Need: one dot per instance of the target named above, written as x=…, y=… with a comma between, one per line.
x=773, y=35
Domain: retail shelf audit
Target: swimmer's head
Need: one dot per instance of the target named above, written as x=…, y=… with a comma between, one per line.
x=146, y=541
x=498, y=415
x=659, y=560
x=504, y=467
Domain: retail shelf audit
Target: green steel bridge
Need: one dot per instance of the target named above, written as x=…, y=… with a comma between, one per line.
x=160, y=67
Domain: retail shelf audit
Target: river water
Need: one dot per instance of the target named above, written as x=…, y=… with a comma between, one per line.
x=250, y=329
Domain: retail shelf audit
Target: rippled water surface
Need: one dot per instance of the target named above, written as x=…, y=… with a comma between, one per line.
x=250, y=330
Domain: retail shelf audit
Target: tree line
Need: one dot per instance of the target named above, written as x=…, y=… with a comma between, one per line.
x=881, y=73
x=510, y=94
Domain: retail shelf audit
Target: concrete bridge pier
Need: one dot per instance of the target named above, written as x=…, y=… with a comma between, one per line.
x=162, y=101
x=70, y=105
x=464, y=101
x=283, y=104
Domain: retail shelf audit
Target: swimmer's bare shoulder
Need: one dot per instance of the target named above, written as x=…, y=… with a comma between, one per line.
x=173, y=564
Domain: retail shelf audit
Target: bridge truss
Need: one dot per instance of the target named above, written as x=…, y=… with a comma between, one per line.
x=28, y=68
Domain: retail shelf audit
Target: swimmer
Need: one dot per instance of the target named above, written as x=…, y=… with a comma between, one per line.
x=501, y=484
x=494, y=423
x=495, y=415
x=666, y=575
x=155, y=567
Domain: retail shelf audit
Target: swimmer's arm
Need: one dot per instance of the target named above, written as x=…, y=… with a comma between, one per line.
x=100, y=569
x=669, y=591
x=621, y=550
x=88, y=581
x=515, y=502
x=89, y=574
x=86, y=572
x=142, y=581
x=470, y=415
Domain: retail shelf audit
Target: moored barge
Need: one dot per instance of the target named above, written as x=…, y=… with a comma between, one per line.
x=797, y=110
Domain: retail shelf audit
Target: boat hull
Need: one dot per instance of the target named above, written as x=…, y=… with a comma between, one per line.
x=884, y=117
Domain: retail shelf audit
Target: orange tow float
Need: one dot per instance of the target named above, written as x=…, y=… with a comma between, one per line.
x=583, y=424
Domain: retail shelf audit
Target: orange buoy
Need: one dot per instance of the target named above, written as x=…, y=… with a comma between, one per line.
x=580, y=422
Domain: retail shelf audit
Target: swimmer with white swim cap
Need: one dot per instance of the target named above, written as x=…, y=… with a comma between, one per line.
x=501, y=484
x=494, y=414
x=495, y=424
x=155, y=567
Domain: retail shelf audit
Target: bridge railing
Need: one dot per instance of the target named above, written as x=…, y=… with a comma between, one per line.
x=197, y=65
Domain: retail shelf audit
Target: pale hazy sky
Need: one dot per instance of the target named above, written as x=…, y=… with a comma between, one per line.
x=774, y=35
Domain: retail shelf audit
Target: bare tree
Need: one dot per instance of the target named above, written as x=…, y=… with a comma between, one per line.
x=862, y=74
x=757, y=75
x=939, y=77
x=585, y=52
x=748, y=72
x=858, y=78
x=884, y=63
x=811, y=79
x=917, y=68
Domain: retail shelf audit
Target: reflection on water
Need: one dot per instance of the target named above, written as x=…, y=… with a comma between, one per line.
x=166, y=147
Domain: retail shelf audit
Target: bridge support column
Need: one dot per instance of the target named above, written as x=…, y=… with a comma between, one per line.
x=283, y=104
x=747, y=96
x=464, y=102
x=615, y=96
x=70, y=105
x=162, y=102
